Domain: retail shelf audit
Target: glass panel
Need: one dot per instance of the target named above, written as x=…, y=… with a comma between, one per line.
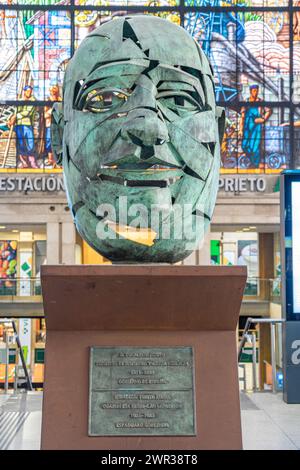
x=248, y=256
x=296, y=57
x=51, y=49
x=7, y=138
x=8, y=267
x=34, y=50
x=33, y=2
x=249, y=48
x=9, y=54
x=229, y=148
x=25, y=142
x=219, y=35
x=256, y=140
x=125, y=3
x=27, y=127
x=297, y=137
x=238, y=3
x=249, y=52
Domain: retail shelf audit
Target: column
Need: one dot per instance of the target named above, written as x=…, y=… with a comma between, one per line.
x=266, y=272
x=53, y=243
x=266, y=263
x=264, y=352
x=68, y=243
x=204, y=250
x=201, y=256
x=191, y=260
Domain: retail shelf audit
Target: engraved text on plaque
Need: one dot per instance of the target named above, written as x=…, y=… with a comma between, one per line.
x=141, y=391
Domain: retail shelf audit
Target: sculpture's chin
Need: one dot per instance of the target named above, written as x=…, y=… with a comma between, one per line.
x=121, y=243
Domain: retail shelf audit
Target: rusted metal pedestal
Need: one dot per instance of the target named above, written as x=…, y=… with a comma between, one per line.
x=142, y=306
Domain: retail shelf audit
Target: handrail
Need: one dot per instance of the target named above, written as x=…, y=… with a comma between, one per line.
x=247, y=327
x=263, y=288
x=263, y=278
x=19, y=287
x=24, y=278
x=272, y=322
x=29, y=384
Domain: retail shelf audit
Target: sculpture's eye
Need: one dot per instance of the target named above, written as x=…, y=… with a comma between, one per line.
x=100, y=101
x=181, y=102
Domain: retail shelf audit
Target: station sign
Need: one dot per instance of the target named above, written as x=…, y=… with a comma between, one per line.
x=51, y=183
x=233, y=185
x=30, y=184
x=242, y=184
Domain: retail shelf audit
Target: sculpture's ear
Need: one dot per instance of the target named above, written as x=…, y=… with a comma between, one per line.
x=57, y=131
x=220, y=113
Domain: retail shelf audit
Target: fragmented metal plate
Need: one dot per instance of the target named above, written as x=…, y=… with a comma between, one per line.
x=139, y=136
x=141, y=391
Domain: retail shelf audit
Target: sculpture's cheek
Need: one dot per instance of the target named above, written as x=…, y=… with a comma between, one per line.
x=95, y=130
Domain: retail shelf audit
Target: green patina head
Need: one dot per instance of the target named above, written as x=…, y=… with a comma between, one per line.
x=140, y=133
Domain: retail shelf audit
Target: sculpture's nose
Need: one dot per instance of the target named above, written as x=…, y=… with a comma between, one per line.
x=145, y=128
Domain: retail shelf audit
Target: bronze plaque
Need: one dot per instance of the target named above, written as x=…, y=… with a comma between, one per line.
x=141, y=391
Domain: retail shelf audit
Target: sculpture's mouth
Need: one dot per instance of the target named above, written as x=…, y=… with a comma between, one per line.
x=139, y=175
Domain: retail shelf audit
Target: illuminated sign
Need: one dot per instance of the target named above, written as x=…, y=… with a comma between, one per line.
x=290, y=239
x=295, y=206
x=290, y=260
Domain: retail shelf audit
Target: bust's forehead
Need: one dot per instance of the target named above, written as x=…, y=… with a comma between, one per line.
x=139, y=37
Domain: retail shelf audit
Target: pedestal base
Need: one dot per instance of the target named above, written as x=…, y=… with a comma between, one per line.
x=141, y=306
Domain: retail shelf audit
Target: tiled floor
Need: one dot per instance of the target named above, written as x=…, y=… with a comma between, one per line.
x=20, y=421
x=268, y=423
x=272, y=425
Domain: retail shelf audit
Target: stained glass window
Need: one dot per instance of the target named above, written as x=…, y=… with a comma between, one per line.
x=253, y=46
